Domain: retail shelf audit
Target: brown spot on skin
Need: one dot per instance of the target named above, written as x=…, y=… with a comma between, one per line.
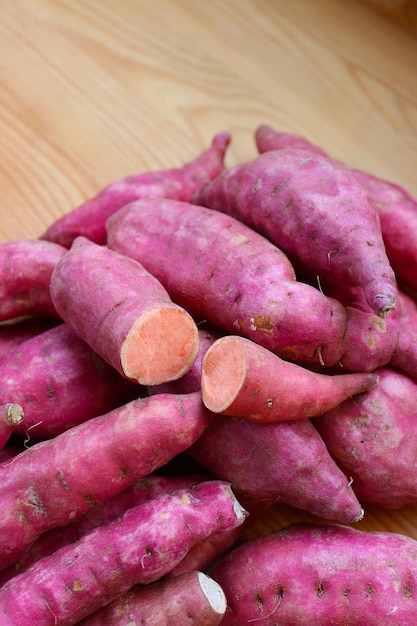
x=408, y=590
x=259, y=600
x=319, y=589
x=263, y=323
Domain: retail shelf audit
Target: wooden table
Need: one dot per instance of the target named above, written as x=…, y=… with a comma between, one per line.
x=92, y=91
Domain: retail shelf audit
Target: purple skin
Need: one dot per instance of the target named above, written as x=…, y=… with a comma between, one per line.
x=321, y=574
x=396, y=207
x=56, y=481
x=139, y=548
x=26, y=266
x=373, y=439
x=60, y=382
x=13, y=334
x=89, y=218
x=242, y=285
x=282, y=461
x=170, y=602
x=316, y=211
x=104, y=513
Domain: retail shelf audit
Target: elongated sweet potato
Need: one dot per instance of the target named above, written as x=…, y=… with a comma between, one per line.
x=373, y=438
x=103, y=513
x=60, y=382
x=89, y=218
x=139, y=548
x=245, y=285
x=282, y=461
x=243, y=379
x=396, y=207
x=316, y=211
x=56, y=481
x=123, y=313
x=314, y=574
x=192, y=597
x=25, y=272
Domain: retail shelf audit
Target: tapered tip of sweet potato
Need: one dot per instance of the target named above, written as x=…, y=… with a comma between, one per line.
x=161, y=346
x=222, y=373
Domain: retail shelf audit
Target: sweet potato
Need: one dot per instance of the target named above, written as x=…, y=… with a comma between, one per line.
x=396, y=207
x=103, y=513
x=282, y=461
x=60, y=382
x=373, y=438
x=139, y=548
x=11, y=415
x=89, y=218
x=25, y=269
x=192, y=598
x=245, y=285
x=315, y=210
x=123, y=313
x=316, y=574
x=56, y=481
x=243, y=379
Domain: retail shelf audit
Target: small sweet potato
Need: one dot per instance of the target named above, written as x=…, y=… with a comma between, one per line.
x=124, y=313
x=191, y=598
x=243, y=379
x=309, y=574
x=25, y=272
x=373, y=439
x=89, y=218
x=139, y=548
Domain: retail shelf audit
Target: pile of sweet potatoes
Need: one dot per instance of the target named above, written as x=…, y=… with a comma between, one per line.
x=188, y=349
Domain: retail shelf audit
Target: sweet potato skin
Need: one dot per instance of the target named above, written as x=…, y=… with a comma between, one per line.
x=139, y=548
x=170, y=602
x=89, y=218
x=242, y=285
x=372, y=437
x=316, y=211
x=60, y=382
x=282, y=461
x=25, y=268
x=56, y=481
x=321, y=574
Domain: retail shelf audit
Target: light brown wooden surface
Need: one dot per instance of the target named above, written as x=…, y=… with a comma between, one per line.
x=94, y=90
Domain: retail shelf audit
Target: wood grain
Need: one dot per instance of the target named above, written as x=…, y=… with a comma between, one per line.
x=91, y=91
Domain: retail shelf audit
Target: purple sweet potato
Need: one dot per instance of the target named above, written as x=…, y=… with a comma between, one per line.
x=139, y=548
x=192, y=598
x=279, y=461
x=245, y=285
x=321, y=574
x=103, y=513
x=315, y=210
x=56, y=481
x=243, y=379
x=124, y=313
x=60, y=382
x=11, y=415
x=181, y=183
x=373, y=439
x=396, y=207
x=25, y=269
